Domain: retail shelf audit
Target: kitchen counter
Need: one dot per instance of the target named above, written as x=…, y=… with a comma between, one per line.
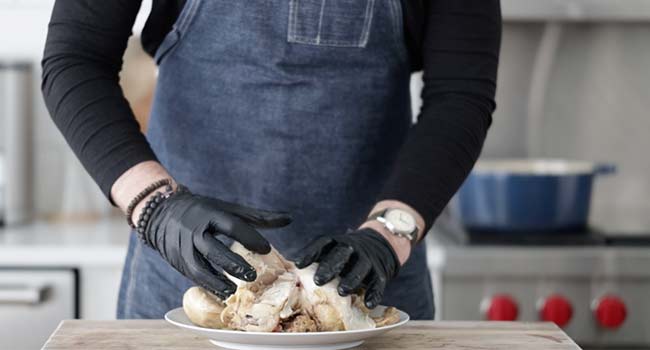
x=91, y=251
x=92, y=243
x=416, y=335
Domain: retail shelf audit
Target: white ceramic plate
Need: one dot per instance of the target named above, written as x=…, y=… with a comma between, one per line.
x=295, y=341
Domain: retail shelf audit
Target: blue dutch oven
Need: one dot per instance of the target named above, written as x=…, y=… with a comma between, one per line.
x=527, y=195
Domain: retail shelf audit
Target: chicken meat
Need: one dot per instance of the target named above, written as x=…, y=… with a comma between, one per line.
x=281, y=299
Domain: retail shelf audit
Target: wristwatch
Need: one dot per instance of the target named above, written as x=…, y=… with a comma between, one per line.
x=398, y=222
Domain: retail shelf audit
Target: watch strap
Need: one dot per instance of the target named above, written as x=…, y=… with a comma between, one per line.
x=377, y=214
x=411, y=236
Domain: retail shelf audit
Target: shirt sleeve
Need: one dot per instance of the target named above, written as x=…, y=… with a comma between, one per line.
x=460, y=54
x=81, y=63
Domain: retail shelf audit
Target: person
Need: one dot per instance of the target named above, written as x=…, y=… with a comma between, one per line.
x=277, y=123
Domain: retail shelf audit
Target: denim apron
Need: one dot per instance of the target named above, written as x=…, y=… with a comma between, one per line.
x=291, y=105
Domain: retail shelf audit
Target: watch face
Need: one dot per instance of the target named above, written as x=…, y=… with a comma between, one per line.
x=402, y=220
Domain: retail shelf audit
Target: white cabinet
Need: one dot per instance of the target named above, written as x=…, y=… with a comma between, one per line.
x=32, y=303
x=98, y=292
x=55, y=271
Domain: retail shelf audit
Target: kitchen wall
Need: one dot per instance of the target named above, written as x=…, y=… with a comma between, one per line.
x=596, y=107
x=2, y=118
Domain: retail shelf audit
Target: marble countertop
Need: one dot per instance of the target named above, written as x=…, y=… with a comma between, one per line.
x=41, y=243
x=415, y=335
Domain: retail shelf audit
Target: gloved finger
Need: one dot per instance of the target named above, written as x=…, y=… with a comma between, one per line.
x=332, y=263
x=204, y=275
x=375, y=291
x=313, y=251
x=219, y=255
x=256, y=217
x=240, y=231
x=352, y=280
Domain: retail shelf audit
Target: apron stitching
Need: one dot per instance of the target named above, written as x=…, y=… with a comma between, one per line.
x=182, y=26
x=320, y=20
x=295, y=17
x=393, y=12
x=292, y=23
x=341, y=43
x=398, y=25
x=182, y=21
x=363, y=41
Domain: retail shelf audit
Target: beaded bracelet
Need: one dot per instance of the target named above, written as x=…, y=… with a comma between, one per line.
x=145, y=215
x=142, y=195
x=151, y=205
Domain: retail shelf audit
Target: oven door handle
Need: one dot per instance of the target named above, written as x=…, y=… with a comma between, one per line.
x=22, y=294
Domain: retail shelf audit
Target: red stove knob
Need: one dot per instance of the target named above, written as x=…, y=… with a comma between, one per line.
x=501, y=307
x=557, y=309
x=610, y=312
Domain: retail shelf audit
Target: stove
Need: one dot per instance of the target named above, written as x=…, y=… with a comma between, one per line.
x=594, y=284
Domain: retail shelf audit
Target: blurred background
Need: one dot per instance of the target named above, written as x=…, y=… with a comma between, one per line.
x=574, y=85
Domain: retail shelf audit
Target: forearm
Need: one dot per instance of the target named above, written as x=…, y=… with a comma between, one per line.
x=133, y=181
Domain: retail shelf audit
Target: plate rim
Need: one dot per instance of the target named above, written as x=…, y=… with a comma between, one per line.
x=402, y=322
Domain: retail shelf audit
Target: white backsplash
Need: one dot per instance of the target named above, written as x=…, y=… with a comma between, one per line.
x=597, y=108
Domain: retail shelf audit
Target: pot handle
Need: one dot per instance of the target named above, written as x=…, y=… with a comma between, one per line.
x=604, y=169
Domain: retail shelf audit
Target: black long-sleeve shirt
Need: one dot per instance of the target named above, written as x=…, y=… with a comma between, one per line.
x=455, y=42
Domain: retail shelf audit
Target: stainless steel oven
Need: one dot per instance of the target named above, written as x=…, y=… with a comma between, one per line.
x=32, y=303
x=593, y=284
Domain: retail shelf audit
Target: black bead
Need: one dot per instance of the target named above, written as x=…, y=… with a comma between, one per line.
x=146, y=217
x=142, y=223
x=148, y=211
x=141, y=229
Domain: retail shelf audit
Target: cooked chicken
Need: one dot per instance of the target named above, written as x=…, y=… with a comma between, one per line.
x=390, y=316
x=260, y=308
x=299, y=323
x=282, y=298
x=331, y=311
x=268, y=266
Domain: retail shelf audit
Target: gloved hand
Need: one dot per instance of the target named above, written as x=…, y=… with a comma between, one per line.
x=363, y=259
x=183, y=229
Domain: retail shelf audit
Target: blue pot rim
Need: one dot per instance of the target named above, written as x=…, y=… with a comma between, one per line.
x=541, y=167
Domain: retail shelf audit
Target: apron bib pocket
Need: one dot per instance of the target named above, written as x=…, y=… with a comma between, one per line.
x=343, y=23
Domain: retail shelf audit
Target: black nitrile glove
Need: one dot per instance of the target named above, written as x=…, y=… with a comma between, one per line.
x=363, y=259
x=183, y=229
